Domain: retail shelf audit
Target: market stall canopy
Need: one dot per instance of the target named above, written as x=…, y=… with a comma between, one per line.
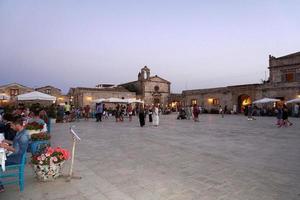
x=35, y=95
x=266, y=100
x=99, y=100
x=115, y=100
x=297, y=100
x=135, y=101
x=4, y=96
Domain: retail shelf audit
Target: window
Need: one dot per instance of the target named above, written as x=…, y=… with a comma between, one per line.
x=290, y=77
x=14, y=92
x=48, y=91
x=216, y=102
x=194, y=102
x=156, y=88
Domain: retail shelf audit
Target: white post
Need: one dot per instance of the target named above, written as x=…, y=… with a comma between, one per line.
x=75, y=138
x=72, y=159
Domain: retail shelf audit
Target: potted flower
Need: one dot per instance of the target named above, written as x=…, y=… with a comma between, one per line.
x=47, y=165
x=34, y=127
x=38, y=142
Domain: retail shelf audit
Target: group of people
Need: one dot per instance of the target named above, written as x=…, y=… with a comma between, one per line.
x=16, y=136
x=282, y=116
x=189, y=112
x=152, y=112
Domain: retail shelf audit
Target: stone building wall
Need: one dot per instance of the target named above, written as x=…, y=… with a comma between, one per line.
x=284, y=83
x=14, y=87
x=53, y=91
x=85, y=96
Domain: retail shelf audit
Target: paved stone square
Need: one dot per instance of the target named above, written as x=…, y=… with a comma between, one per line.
x=216, y=159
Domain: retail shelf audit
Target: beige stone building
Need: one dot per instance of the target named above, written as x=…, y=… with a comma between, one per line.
x=14, y=89
x=283, y=83
x=53, y=91
x=150, y=89
x=82, y=96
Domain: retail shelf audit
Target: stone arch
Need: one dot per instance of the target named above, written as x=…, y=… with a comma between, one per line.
x=243, y=101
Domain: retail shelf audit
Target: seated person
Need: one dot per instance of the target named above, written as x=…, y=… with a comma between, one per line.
x=36, y=118
x=182, y=114
x=5, y=127
x=18, y=146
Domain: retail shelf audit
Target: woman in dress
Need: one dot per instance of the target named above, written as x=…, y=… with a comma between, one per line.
x=155, y=116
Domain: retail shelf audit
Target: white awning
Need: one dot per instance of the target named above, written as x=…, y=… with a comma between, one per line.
x=266, y=100
x=116, y=100
x=135, y=101
x=99, y=100
x=297, y=100
x=4, y=96
x=35, y=95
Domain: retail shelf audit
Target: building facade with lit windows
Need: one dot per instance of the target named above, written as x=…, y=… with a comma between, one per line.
x=82, y=96
x=11, y=91
x=283, y=83
x=54, y=91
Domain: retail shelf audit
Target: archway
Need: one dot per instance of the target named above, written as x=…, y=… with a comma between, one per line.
x=243, y=101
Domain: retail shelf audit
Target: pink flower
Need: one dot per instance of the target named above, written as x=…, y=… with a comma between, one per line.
x=54, y=159
x=43, y=157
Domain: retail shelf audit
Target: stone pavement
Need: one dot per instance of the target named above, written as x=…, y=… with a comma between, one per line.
x=215, y=159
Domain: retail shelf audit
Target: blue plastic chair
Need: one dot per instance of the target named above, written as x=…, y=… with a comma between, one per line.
x=14, y=171
x=49, y=126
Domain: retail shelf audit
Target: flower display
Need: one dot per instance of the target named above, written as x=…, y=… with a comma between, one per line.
x=51, y=156
x=40, y=136
x=34, y=126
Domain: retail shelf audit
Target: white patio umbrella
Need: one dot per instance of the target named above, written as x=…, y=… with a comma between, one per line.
x=116, y=100
x=266, y=100
x=4, y=96
x=135, y=101
x=35, y=95
x=99, y=100
x=297, y=100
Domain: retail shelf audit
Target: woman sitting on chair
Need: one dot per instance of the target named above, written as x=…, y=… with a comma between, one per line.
x=18, y=146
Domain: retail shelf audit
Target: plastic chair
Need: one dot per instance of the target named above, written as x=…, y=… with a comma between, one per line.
x=49, y=126
x=11, y=172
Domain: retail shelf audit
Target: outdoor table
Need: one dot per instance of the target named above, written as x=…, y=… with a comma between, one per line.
x=2, y=158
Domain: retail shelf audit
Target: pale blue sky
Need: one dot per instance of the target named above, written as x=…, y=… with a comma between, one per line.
x=193, y=44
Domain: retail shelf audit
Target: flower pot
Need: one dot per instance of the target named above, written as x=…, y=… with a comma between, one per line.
x=48, y=172
x=37, y=146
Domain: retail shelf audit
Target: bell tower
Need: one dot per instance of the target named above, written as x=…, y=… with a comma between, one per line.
x=144, y=74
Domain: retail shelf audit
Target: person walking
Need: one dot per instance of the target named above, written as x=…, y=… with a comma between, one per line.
x=67, y=109
x=196, y=112
x=250, y=112
x=99, y=112
x=142, y=116
x=150, y=113
x=188, y=112
x=221, y=111
x=87, y=110
x=285, y=116
x=129, y=112
x=155, y=116
x=279, y=115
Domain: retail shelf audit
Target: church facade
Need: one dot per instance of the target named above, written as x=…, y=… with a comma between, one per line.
x=151, y=89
